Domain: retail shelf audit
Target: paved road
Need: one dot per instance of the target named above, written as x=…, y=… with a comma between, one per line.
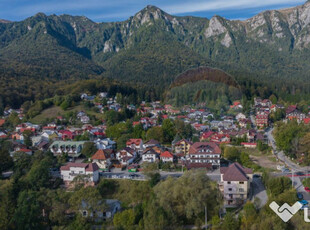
x=300, y=188
x=296, y=179
x=281, y=156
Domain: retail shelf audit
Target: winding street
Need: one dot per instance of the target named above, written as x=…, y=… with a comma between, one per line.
x=281, y=156
x=296, y=180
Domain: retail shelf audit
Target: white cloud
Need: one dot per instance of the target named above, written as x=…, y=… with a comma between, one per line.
x=213, y=5
x=55, y=6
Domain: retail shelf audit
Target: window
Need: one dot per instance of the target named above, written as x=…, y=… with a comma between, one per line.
x=230, y=189
x=228, y=182
x=241, y=190
x=241, y=182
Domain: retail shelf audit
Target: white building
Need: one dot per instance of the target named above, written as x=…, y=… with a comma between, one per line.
x=88, y=172
x=126, y=156
x=150, y=155
x=106, y=143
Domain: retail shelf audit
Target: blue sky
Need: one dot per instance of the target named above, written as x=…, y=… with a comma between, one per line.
x=118, y=10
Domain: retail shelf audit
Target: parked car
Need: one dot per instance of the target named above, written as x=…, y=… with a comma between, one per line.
x=307, y=189
x=285, y=170
x=300, y=174
x=300, y=196
x=303, y=202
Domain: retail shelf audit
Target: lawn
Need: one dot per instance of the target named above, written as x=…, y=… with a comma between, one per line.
x=52, y=112
x=55, y=111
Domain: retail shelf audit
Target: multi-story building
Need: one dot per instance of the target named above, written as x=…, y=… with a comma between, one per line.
x=182, y=147
x=235, y=184
x=72, y=148
x=205, y=152
x=150, y=155
x=262, y=120
x=88, y=173
x=103, y=158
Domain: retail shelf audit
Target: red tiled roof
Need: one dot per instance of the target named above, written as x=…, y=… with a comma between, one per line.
x=24, y=150
x=100, y=155
x=133, y=141
x=291, y=109
x=2, y=121
x=307, y=120
x=186, y=141
x=206, y=135
x=166, y=154
x=235, y=172
x=91, y=167
x=194, y=148
x=198, y=165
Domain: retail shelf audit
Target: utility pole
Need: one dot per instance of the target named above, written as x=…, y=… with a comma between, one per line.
x=292, y=178
x=206, y=217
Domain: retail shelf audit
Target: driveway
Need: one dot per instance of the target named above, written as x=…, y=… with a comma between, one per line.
x=300, y=188
x=259, y=191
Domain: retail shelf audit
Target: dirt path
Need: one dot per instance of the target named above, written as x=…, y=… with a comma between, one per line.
x=266, y=161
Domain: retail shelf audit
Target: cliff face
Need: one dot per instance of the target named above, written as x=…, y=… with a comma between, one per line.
x=272, y=43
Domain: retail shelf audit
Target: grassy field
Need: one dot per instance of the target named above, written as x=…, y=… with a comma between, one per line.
x=52, y=112
x=55, y=111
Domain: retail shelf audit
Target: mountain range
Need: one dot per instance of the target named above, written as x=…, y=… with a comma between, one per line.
x=153, y=47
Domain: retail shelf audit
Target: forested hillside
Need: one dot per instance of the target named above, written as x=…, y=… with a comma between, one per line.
x=267, y=54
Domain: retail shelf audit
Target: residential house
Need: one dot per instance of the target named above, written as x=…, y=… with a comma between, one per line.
x=85, y=119
x=21, y=150
x=3, y=135
x=293, y=113
x=240, y=116
x=243, y=123
x=235, y=184
x=89, y=172
x=236, y=105
x=84, y=96
x=18, y=137
x=105, y=143
x=150, y=155
x=126, y=156
x=220, y=138
x=136, y=144
x=206, y=135
x=67, y=134
x=205, y=152
x=166, y=157
x=103, y=158
x=151, y=143
x=106, y=212
x=103, y=94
